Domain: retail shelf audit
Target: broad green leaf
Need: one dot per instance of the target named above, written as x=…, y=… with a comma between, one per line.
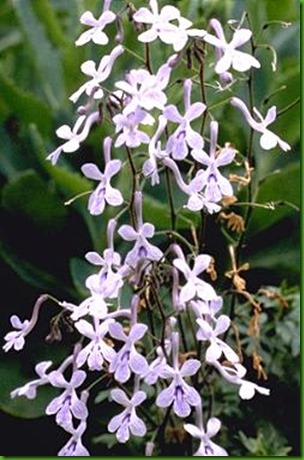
x=47, y=59
x=28, y=195
x=31, y=274
x=24, y=104
x=282, y=187
x=10, y=159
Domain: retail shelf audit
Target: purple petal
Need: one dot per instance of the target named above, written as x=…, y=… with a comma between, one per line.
x=128, y=233
x=172, y=114
x=137, y=332
x=137, y=426
x=138, y=363
x=165, y=397
x=213, y=427
x=190, y=367
x=120, y=397
x=112, y=168
x=91, y=171
x=117, y=332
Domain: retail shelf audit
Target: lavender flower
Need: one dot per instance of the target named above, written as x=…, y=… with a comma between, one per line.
x=184, y=135
x=142, y=250
x=182, y=395
x=239, y=60
x=145, y=90
x=127, y=421
x=97, y=350
x=194, y=286
x=95, y=33
x=98, y=75
x=15, y=339
x=127, y=359
x=67, y=404
x=215, y=185
x=74, y=446
x=268, y=140
x=129, y=123
x=94, y=305
x=217, y=346
x=104, y=193
x=206, y=448
x=106, y=282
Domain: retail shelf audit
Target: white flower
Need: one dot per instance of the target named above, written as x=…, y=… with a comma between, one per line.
x=239, y=60
x=206, y=448
x=95, y=33
x=97, y=74
x=268, y=140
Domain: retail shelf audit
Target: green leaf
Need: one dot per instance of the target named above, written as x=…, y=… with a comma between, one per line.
x=11, y=377
x=24, y=104
x=31, y=274
x=28, y=195
x=283, y=187
x=47, y=59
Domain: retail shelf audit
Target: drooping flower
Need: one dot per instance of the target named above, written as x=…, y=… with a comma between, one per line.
x=127, y=421
x=15, y=339
x=234, y=373
x=268, y=140
x=29, y=390
x=231, y=57
x=104, y=192
x=67, y=405
x=184, y=136
x=207, y=448
x=95, y=32
x=127, y=359
x=98, y=75
x=74, y=136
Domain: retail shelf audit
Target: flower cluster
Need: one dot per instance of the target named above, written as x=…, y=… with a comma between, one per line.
x=152, y=139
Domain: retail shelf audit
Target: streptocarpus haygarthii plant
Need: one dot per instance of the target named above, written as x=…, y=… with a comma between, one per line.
x=137, y=341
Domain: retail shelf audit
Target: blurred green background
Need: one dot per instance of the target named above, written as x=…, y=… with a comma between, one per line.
x=43, y=242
